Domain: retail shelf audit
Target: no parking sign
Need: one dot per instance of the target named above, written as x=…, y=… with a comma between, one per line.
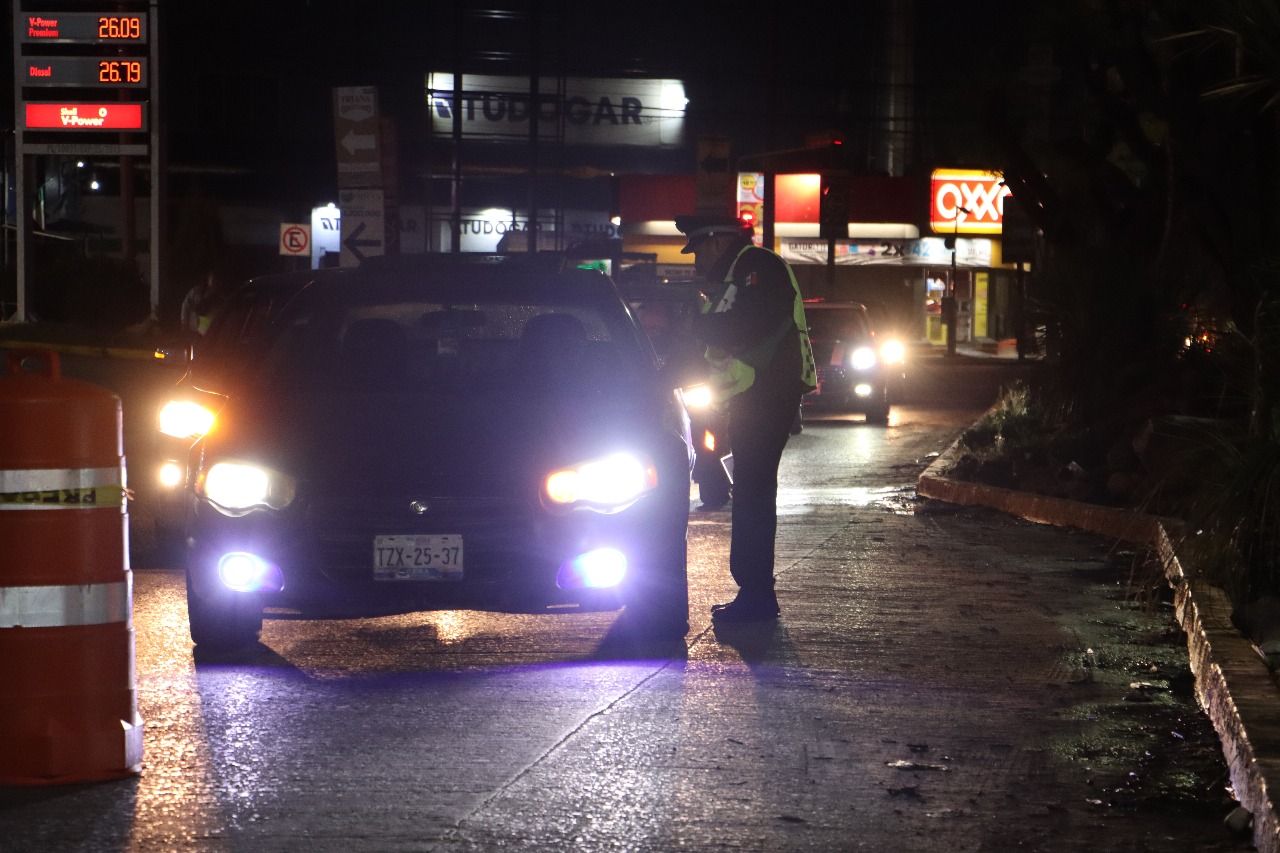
x=295, y=239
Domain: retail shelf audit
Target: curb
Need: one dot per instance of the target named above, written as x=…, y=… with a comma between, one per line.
x=1233, y=684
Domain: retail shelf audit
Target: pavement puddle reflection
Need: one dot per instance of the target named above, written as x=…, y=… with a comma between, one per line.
x=897, y=499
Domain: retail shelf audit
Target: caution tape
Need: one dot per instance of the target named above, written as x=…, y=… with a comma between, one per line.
x=62, y=488
x=99, y=496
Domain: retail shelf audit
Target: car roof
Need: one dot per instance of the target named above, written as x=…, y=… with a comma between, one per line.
x=454, y=276
x=827, y=304
x=659, y=292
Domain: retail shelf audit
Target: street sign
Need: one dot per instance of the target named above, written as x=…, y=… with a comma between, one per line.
x=295, y=239
x=364, y=225
x=357, y=142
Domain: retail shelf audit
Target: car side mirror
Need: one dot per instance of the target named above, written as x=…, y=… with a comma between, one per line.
x=179, y=356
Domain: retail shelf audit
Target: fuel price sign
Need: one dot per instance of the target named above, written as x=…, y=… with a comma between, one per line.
x=85, y=71
x=82, y=28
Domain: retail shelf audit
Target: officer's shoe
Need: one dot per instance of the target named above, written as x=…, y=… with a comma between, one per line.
x=746, y=609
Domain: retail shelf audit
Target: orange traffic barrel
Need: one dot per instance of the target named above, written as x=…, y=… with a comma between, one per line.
x=68, y=699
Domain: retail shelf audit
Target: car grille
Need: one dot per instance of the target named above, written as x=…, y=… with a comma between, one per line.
x=496, y=531
x=831, y=373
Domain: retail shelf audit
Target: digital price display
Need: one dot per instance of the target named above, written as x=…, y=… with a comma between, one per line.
x=83, y=28
x=85, y=71
x=115, y=116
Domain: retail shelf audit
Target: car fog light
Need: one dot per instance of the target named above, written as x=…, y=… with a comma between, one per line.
x=598, y=569
x=245, y=572
x=862, y=389
x=172, y=474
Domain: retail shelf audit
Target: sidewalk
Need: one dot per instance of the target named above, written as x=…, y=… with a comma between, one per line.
x=1236, y=689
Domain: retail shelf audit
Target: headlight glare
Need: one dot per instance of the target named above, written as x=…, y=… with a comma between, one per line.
x=172, y=474
x=240, y=486
x=697, y=397
x=245, y=572
x=893, y=352
x=611, y=482
x=602, y=568
x=185, y=419
x=863, y=358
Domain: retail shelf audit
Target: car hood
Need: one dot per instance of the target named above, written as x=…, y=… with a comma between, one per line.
x=391, y=439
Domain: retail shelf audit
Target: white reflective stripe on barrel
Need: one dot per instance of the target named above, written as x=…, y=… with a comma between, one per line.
x=49, y=479
x=61, y=488
x=59, y=606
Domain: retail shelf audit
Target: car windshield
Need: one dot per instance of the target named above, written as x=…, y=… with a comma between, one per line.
x=421, y=344
x=841, y=324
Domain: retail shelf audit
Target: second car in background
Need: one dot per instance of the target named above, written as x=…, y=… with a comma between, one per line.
x=857, y=368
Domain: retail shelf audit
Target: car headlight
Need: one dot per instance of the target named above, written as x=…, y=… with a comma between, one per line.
x=238, y=487
x=863, y=358
x=893, y=352
x=607, y=484
x=697, y=397
x=185, y=419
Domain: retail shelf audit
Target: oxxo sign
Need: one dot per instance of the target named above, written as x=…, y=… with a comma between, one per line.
x=980, y=194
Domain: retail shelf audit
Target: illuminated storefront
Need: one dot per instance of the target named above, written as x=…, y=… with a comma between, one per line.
x=508, y=153
x=887, y=262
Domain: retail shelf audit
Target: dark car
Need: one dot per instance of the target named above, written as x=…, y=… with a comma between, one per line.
x=441, y=432
x=665, y=310
x=856, y=368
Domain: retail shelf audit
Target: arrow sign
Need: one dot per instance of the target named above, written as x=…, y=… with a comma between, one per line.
x=354, y=142
x=355, y=244
x=356, y=137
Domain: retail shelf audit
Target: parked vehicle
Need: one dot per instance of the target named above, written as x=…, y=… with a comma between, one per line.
x=435, y=432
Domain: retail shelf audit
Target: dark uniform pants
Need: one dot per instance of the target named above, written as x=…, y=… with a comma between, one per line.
x=760, y=427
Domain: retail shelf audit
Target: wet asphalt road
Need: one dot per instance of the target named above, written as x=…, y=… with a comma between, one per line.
x=942, y=679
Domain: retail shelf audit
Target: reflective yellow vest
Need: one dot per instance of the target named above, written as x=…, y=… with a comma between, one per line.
x=731, y=375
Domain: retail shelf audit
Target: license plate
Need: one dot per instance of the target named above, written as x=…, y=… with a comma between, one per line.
x=415, y=557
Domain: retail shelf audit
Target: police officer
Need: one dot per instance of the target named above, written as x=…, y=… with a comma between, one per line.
x=200, y=304
x=758, y=345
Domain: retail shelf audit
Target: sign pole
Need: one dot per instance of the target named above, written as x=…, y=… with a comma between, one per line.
x=157, y=170
x=21, y=207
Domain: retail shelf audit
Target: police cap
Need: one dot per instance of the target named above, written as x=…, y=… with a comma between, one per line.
x=697, y=227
